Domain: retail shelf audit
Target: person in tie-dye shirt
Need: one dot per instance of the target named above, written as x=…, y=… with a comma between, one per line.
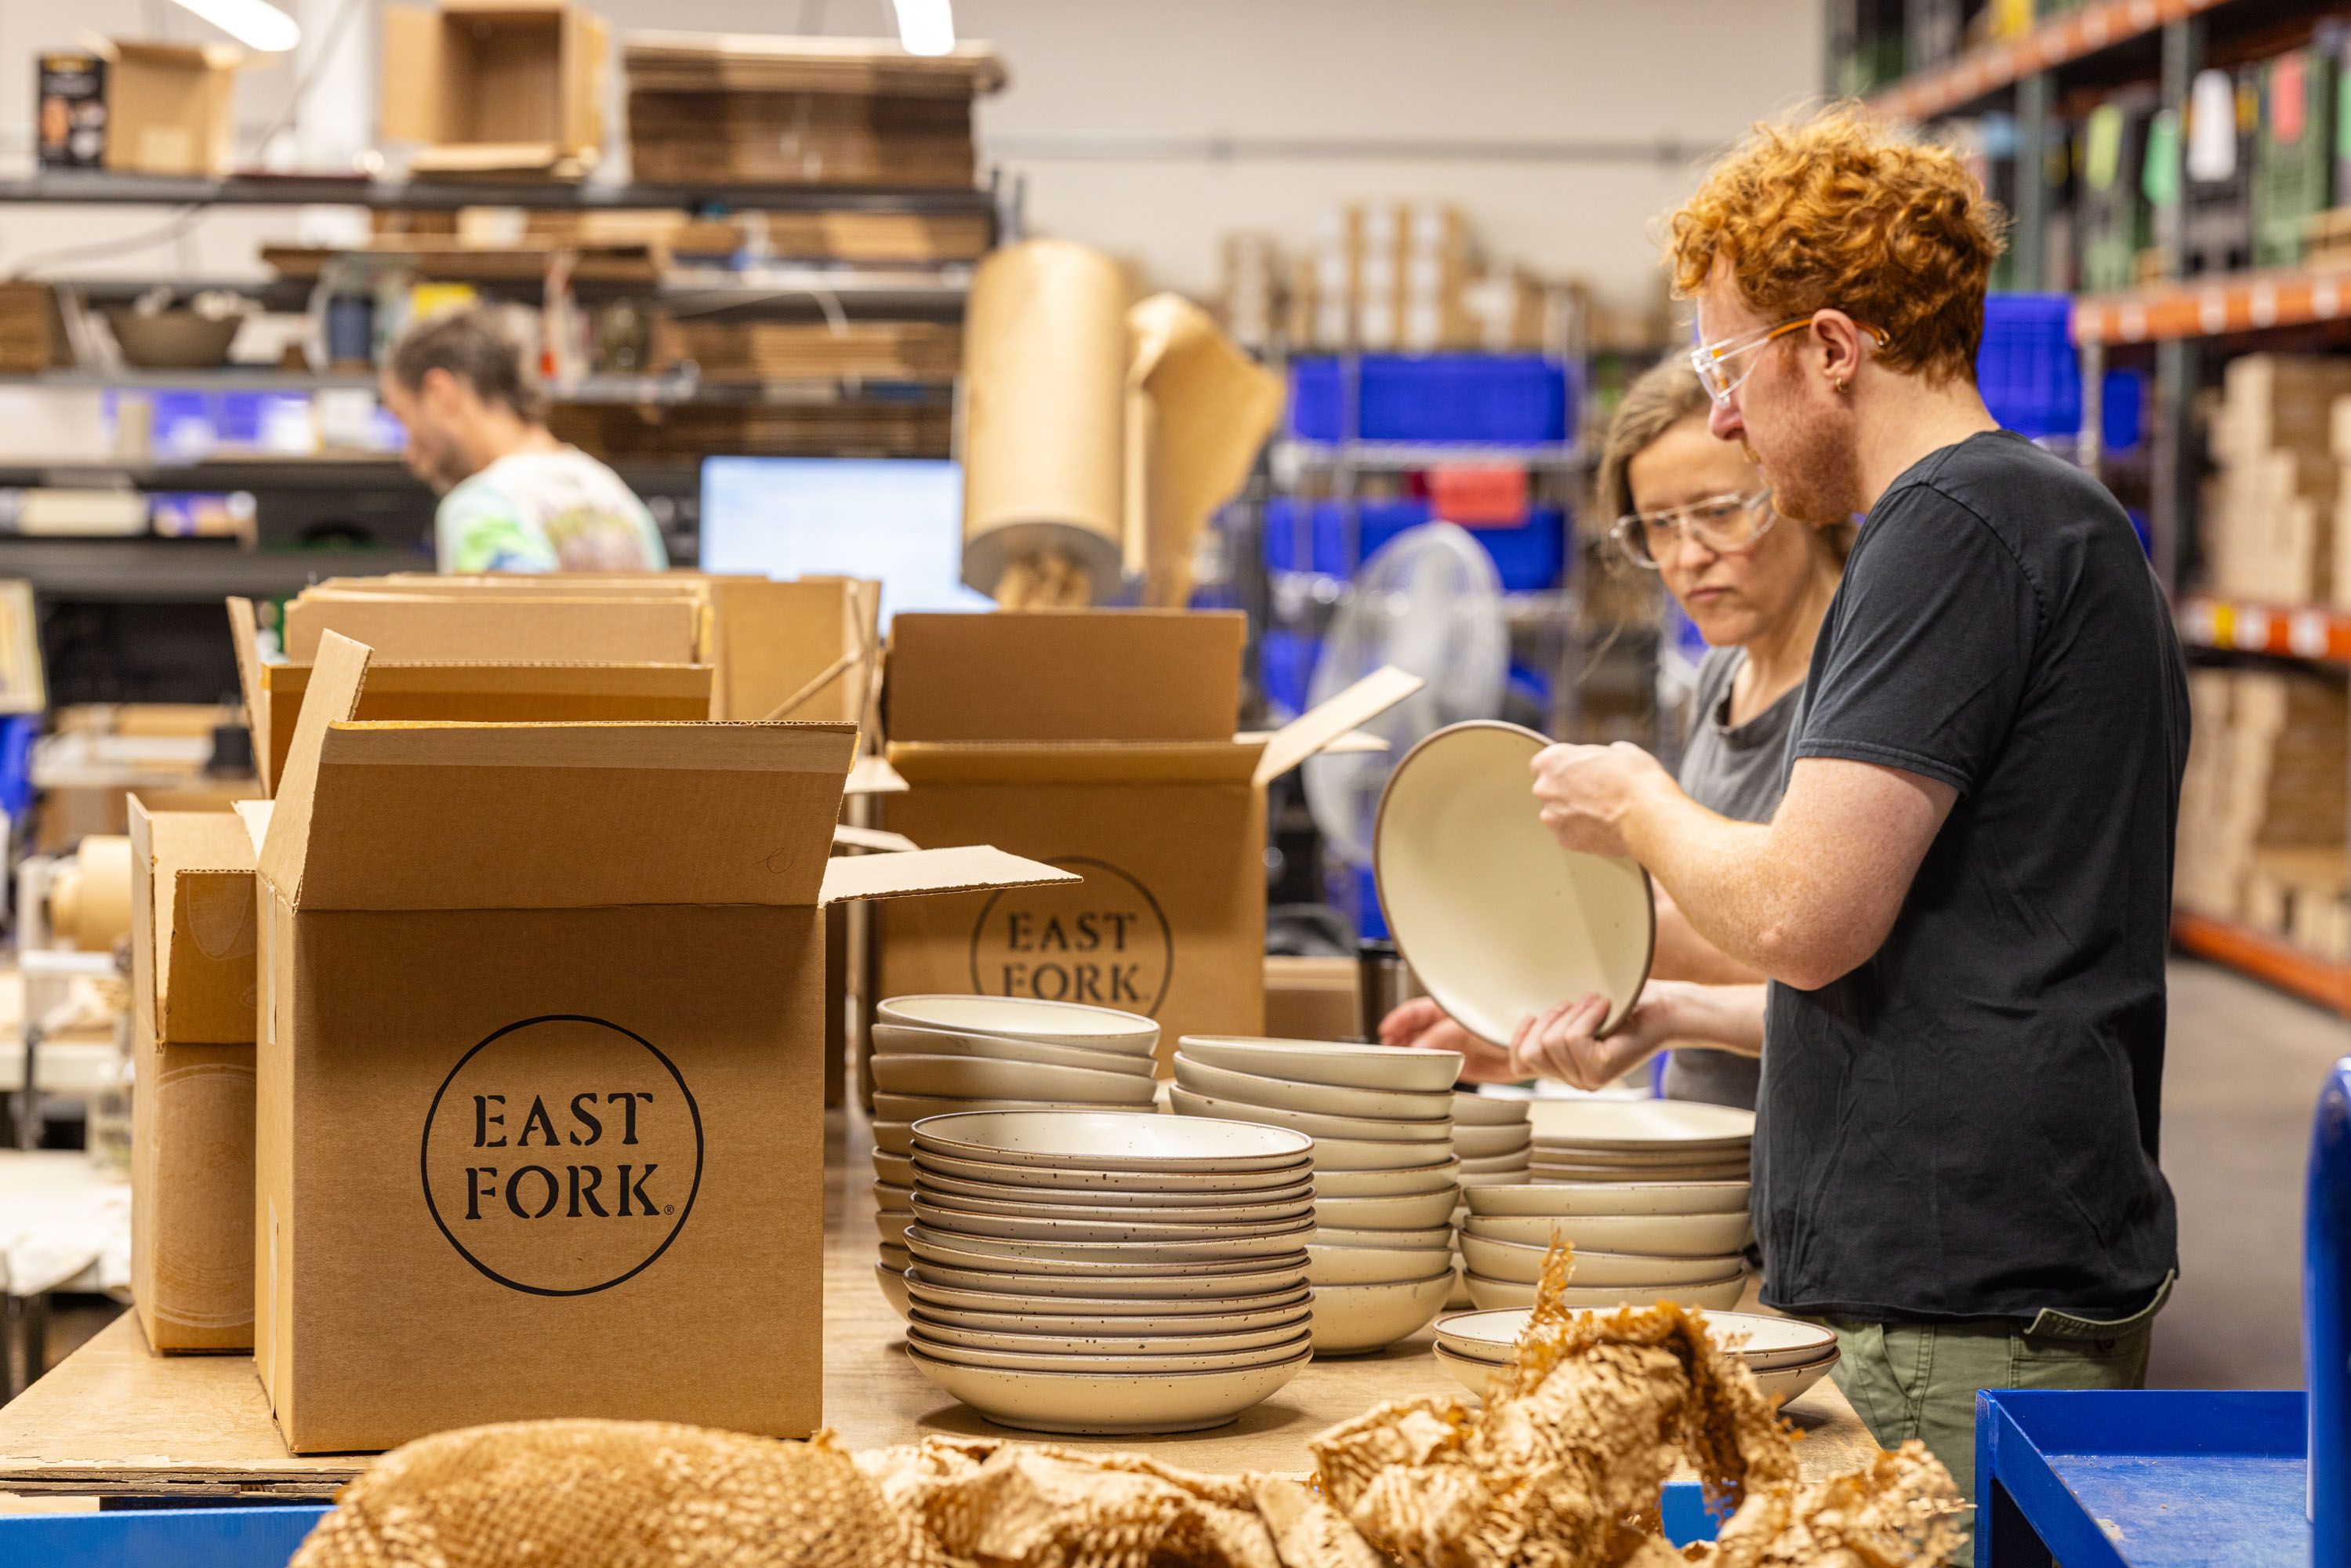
x=513, y=498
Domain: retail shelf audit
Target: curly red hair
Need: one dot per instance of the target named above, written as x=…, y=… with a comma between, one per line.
x=1839, y=211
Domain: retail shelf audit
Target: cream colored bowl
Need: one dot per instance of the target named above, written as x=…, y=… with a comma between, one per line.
x=890, y=1105
x=893, y=1137
x=1495, y=1165
x=1146, y=1285
x=1127, y=1141
x=1207, y=1184
x=1027, y=1344
x=1492, y=1142
x=981, y=1077
x=1316, y=1099
x=1022, y=1018
x=1468, y=1179
x=1292, y=1310
x=1471, y=1374
x=1089, y=1403
x=1374, y=1265
x=1653, y=1235
x=1297, y=1192
x=1633, y=1126
x=1273, y=1234
x=1611, y=1197
x=1342, y=1065
x=1411, y=1212
x=1048, y=1361
x=889, y=1194
x=891, y=1223
x=1715, y=1293
x=1782, y=1385
x=893, y=1288
x=1517, y=1261
x=1440, y=1235
x=1437, y=1135
x=1411, y=1181
x=1473, y=1109
x=962, y=1249
x=1496, y=919
x=1760, y=1340
x=1287, y=1211
x=1351, y=1320
x=1558, y=1171
x=896, y=1169
x=899, y=1039
x=927, y=1288
x=1368, y=1154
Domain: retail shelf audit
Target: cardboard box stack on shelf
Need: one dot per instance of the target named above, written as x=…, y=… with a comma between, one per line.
x=865, y=238
x=138, y=107
x=497, y=87
x=2264, y=805
x=1249, y=288
x=1403, y=275
x=734, y=350
x=2270, y=519
x=813, y=110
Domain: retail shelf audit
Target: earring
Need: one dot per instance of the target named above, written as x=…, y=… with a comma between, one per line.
x=1841, y=385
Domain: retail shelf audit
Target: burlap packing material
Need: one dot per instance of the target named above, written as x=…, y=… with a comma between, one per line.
x=1043, y=423
x=1198, y=410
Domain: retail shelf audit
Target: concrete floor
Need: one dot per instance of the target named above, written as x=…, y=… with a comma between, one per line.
x=2240, y=1078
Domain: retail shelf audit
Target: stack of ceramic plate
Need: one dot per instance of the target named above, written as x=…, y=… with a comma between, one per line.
x=1640, y=1140
x=936, y=1055
x=1786, y=1357
x=1108, y=1271
x=1495, y=1141
x=1385, y=1174
x=1635, y=1242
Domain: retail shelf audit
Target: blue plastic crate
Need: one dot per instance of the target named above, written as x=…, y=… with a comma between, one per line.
x=1533, y=555
x=2123, y=410
x=1529, y=557
x=1286, y=668
x=2027, y=370
x=1509, y=399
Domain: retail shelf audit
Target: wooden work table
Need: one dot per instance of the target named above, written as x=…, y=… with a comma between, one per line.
x=113, y=1418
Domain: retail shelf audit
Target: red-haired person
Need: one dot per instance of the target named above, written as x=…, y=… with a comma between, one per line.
x=1962, y=903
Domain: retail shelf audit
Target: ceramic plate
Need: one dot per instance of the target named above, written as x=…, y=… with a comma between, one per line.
x=1498, y=922
x=900, y=1040
x=1578, y=1175
x=997, y=1292
x=1495, y=1165
x=1316, y=1099
x=1411, y=1181
x=1109, y=1404
x=1471, y=1108
x=1635, y=1125
x=974, y=1077
x=918, y=1338
x=1411, y=1212
x=1285, y=1211
x=1344, y=1064
x=1154, y=1321
x=1114, y=1140
x=1350, y=1320
x=1366, y=1129
x=1243, y=1187
x=894, y=1107
x=1089, y=1342
x=1515, y=1260
x=1492, y=1142
x=1760, y=1340
x=1613, y=1198
x=960, y=1249
x=1186, y=1285
x=1327, y=1266
x=1299, y=1191
x=1020, y=1019
x=1273, y=1232
x=1420, y=1235
x=1717, y=1293
x=1369, y=1154
x=1649, y=1235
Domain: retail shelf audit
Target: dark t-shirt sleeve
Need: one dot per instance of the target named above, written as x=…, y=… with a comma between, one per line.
x=1930, y=647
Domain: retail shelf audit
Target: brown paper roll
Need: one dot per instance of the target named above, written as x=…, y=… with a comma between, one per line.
x=1199, y=410
x=1044, y=415
x=89, y=901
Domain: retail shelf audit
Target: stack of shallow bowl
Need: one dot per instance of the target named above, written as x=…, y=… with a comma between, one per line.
x=936, y=1055
x=1108, y=1271
x=1495, y=1143
x=1637, y=1243
x=1640, y=1140
x=1786, y=1357
x=1385, y=1174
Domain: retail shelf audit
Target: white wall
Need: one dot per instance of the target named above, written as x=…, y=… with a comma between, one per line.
x=1175, y=73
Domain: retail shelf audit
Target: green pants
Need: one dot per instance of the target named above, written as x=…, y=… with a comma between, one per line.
x=1914, y=1379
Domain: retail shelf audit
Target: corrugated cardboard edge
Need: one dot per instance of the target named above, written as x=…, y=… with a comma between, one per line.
x=1309, y=733
x=336, y=676
x=144, y=955
x=255, y=815
x=846, y=836
x=245, y=635
x=964, y=870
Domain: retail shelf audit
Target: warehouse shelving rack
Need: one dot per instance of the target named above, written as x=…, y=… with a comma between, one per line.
x=2189, y=323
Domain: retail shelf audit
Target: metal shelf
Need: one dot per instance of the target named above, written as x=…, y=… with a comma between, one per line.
x=1988, y=69
x=442, y=195
x=2219, y=306
x=342, y=471
x=1399, y=455
x=602, y=388
x=2319, y=633
x=162, y=570
x=2266, y=957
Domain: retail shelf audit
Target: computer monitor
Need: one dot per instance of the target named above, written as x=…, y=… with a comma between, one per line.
x=897, y=521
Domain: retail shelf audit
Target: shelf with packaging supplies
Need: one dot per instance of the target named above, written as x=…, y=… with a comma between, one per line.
x=2265, y=958
x=446, y=195
x=1979, y=72
x=152, y=569
x=1402, y=454
x=2320, y=633
x=2222, y=305
x=670, y=390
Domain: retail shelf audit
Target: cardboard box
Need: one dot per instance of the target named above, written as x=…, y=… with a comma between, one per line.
x=170, y=107
x=579, y=626
x=1313, y=999
x=192, y=1014
x=539, y=1131
x=1100, y=742
x=496, y=86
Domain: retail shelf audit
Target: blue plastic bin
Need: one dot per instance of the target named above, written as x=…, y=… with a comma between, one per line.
x=1506, y=398
x=1529, y=556
x=1286, y=667
x=2027, y=370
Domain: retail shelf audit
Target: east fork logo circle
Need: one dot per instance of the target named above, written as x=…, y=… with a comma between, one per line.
x=1104, y=940
x=561, y=1155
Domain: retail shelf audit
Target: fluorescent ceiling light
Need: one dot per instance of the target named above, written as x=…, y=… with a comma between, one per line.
x=258, y=25
x=925, y=27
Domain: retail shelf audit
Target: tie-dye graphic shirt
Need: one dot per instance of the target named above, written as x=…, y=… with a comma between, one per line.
x=547, y=511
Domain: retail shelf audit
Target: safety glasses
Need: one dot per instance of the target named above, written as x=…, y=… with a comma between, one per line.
x=1723, y=366
x=1725, y=525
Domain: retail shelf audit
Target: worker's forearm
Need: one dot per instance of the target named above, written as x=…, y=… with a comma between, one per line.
x=1728, y=1016
x=1683, y=954
x=1715, y=869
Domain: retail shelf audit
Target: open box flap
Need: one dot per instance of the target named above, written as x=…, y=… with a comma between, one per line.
x=336, y=676
x=255, y=815
x=1317, y=728
x=605, y=628
x=872, y=775
x=965, y=870
x=1076, y=762
x=244, y=636
x=554, y=677
x=845, y=836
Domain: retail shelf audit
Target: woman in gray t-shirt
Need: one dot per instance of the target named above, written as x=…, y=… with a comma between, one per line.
x=1693, y=509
